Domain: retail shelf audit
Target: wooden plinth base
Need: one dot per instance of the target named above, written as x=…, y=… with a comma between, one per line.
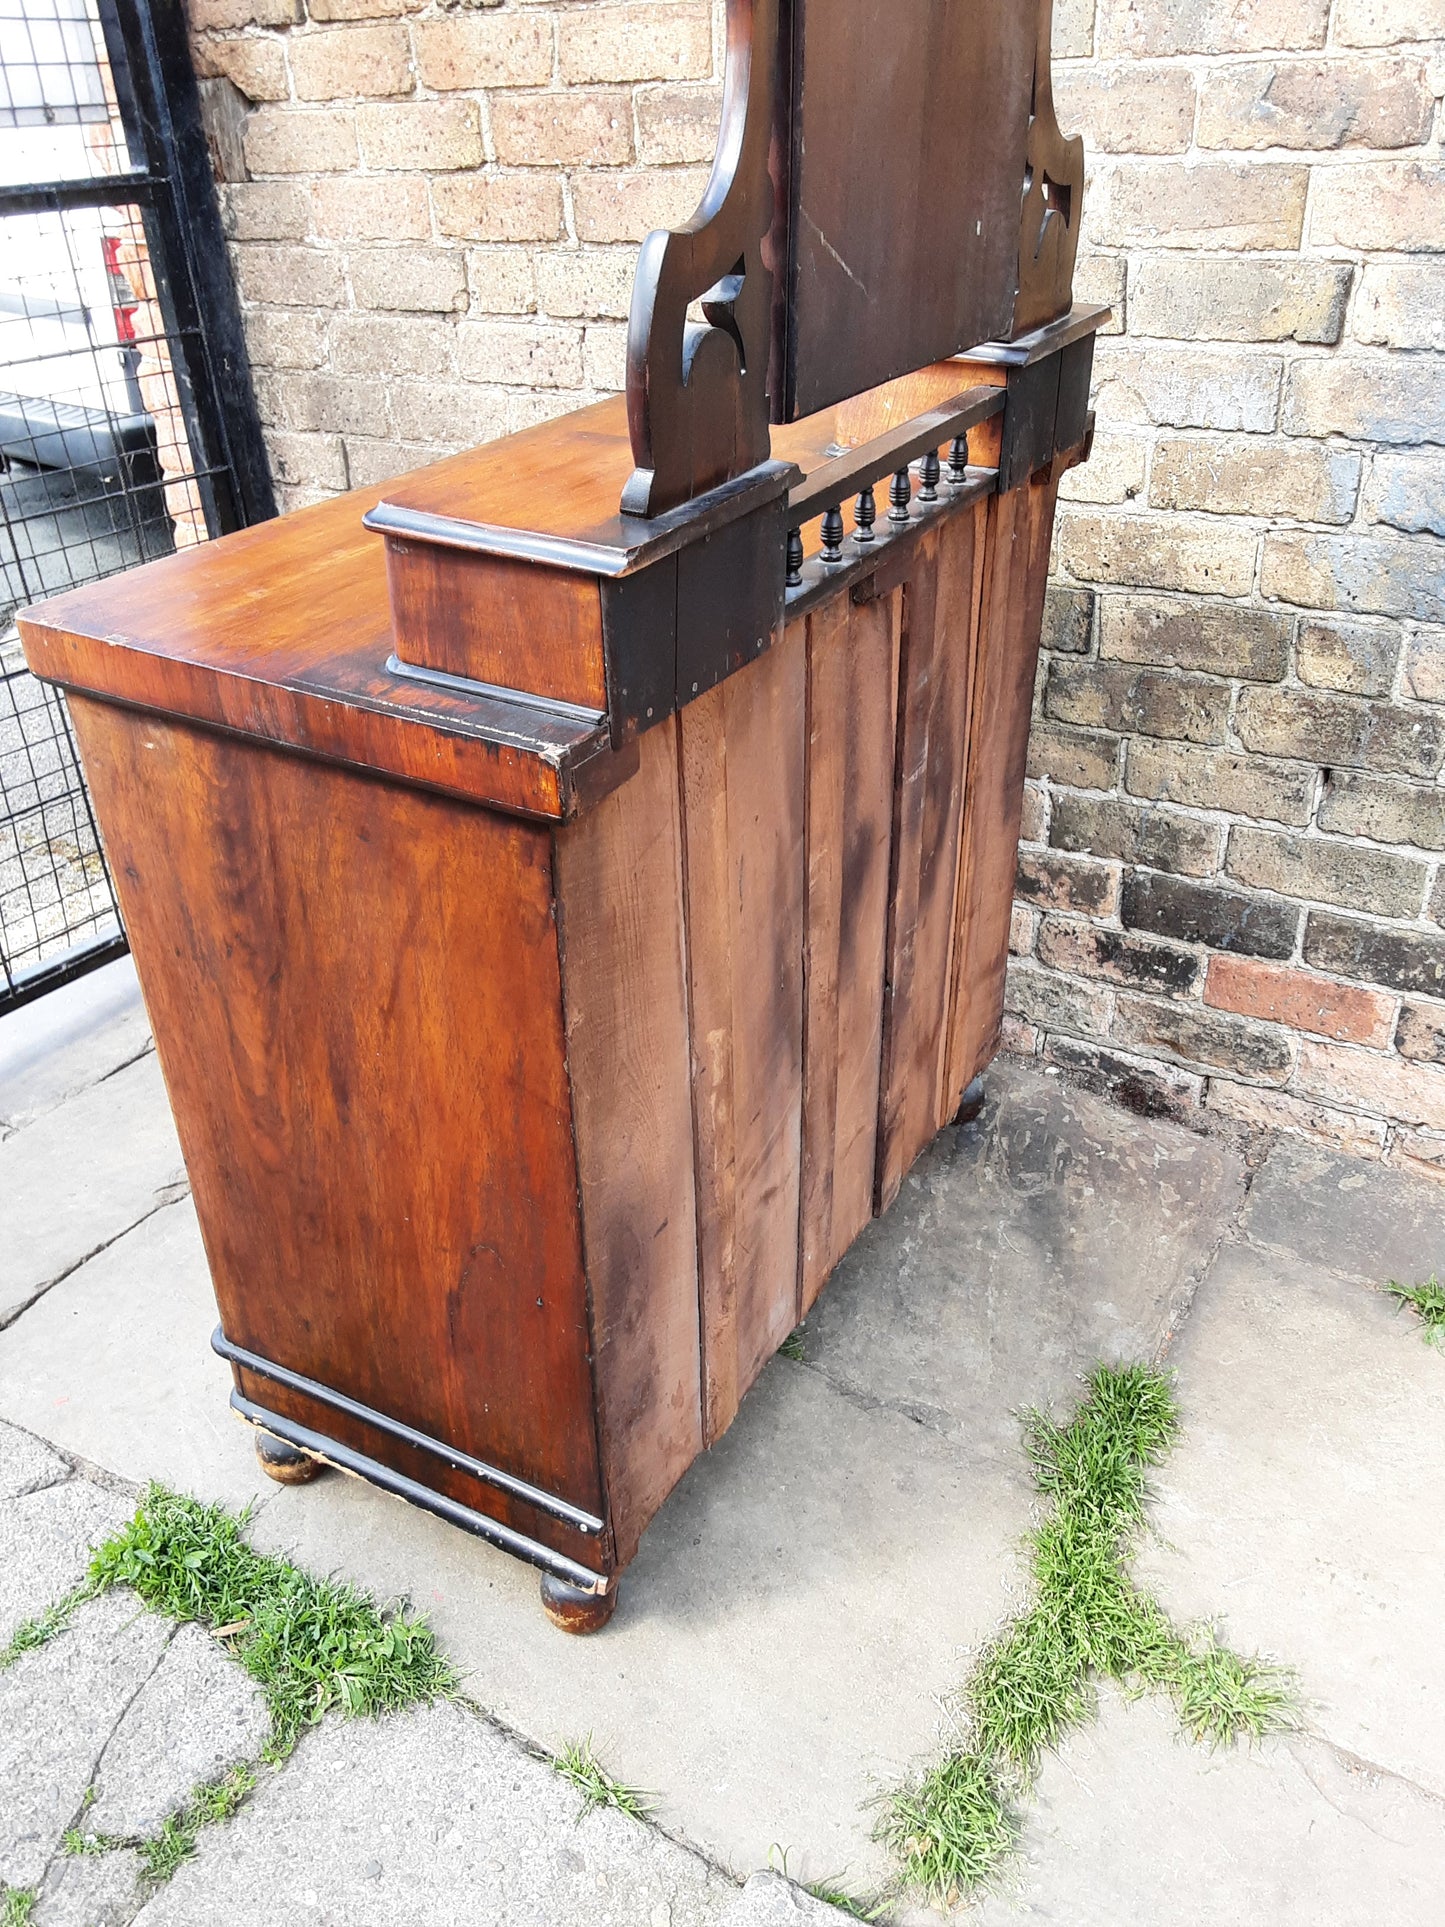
x=576, y=1611
x=283, y=1463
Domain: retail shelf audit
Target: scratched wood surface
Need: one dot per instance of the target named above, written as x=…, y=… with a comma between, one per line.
x=619, y=888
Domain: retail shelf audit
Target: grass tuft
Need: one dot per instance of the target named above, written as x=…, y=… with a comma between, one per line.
x=953, y=1829
x=1427, y=1301
x=792, y=1347
x=209, y=1804
x=31, y=1633
x=17, y=1904
x=311, y=1644
x=832, y=1895
x=580, y=1767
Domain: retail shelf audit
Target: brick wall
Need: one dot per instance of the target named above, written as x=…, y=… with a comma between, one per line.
x=1232, y=892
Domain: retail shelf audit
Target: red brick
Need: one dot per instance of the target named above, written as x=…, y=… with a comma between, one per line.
x=1283, y=995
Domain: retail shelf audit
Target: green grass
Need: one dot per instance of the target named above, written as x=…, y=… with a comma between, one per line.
x=1427, y=1301
x=16, y=1906
x=31, y=1633
x=792, y=1347
x=580, y=1767
x=208, y=1805
x=832, y=1895
x=953, y=1828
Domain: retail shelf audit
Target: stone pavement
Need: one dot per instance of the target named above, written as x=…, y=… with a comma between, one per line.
x=804, y=1604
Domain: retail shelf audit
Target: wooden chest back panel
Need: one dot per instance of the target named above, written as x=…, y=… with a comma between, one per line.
x=356, y=995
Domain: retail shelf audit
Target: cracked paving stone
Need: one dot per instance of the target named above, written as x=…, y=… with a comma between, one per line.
x=27, y=1464
x=768, y=1900
x=196, y=1716
x=90, y=1890
x=58, y=1707
x=45, y=1544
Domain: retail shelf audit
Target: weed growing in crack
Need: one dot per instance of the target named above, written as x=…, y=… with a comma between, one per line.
x=832, y=1895
x=792, y=1347
x=207, y=1806
x=31, y=1633
x=953, y=1828
x=17, y=1904
x=1427, y=1301
x=580, y=1767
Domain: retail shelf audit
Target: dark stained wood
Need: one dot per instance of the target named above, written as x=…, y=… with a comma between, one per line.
x=1053, y=202
x=852, y=697
x=1016, y=546
x=575, y=1611
x=619, y=889
x=356, y=995
x=743, y=786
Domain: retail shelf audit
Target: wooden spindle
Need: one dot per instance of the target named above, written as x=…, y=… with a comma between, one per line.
x=865, y=514
x=929, y=470
x=958, y=461
x=900, y=495
x=794, y=577
x=833, y=534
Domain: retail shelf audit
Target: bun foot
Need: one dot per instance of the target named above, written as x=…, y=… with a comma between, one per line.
x=576, y=1611
x=283, y=1463
x=970, y=1105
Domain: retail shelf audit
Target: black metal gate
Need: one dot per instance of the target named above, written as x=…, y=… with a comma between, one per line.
x=127, y=423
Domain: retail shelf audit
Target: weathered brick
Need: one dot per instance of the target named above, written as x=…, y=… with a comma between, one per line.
x=1425, y=666
x=627, y=207
x=1220, y=638
x=1382, y=575
x=1149, y=1090
x=1067, y=883
x=1399, y=400
x=1088, y=950
x=1073, y=29
x=1396, y=203
x=366, y=9
x=670, y=42
x=1199, y=1037
x=1199, y=389
x=370, y=461
x=366, y=207
x=500, y=207
x=588, y=282
x=340, y=63
x=1217, y=298
x=1157, y=552
x=1221, y=780
x=1437, y=899
x=1023, y=927
x=1356, y=805
x=513, y=354
x=1384, y=23
x=1421, y=1153
x=465, y=50
x=1316, y=104
x=1117, y=696
x=1197, y=204
x=427, y=134
x=1057, y=1003
x=1081, y=758
x=307, y=461
x=253, y=63
x=285, y=338
x=289, y=277
x=1421, y=1033
x=266, y=210
x=1101, y=279
x=1358, y=657
x=1269, y=1110
x=1399, y=959
x=217, y=15
x=1114, y=472
x=1211, y=26
x=1245, y=476
x=677, y=123
x=1131, y=108
x=300, y=140
x=1402, y=305
x=321, y=403
x=573, y=129
x=1337, y=729
x=503, y=280
x=1391, y=1086
x=1034, y=824
x=392, y=345
x=1407, y=492
x=414, y=280
x=1016, y=1038
x=447, y=415
x=1202, y=913
x=1281, y=994
x=1326, y=872
x=530, y=408
x=1068, y=619
x=1155, y=839
x=604, y=357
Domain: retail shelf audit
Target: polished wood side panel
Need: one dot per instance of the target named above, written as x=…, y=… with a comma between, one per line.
x=1020, y=531
x=498, y=620
x=940, y=610
x=743, y=787
x=852, y=701
x=356, y=995
x=619, y=888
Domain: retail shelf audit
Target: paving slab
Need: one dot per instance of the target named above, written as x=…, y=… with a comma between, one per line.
x=80, y=1176
x=27, y=1464
x=46, y=1538
x=90, y=1890
x=58, y=1706
x=1057, y=1231
x=1359, y=1219
x=116, y=1366
x=1133, y=1824
x=68, y=1040
x=432, y=1819
x=198, y=1715
x=1304, y=1503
